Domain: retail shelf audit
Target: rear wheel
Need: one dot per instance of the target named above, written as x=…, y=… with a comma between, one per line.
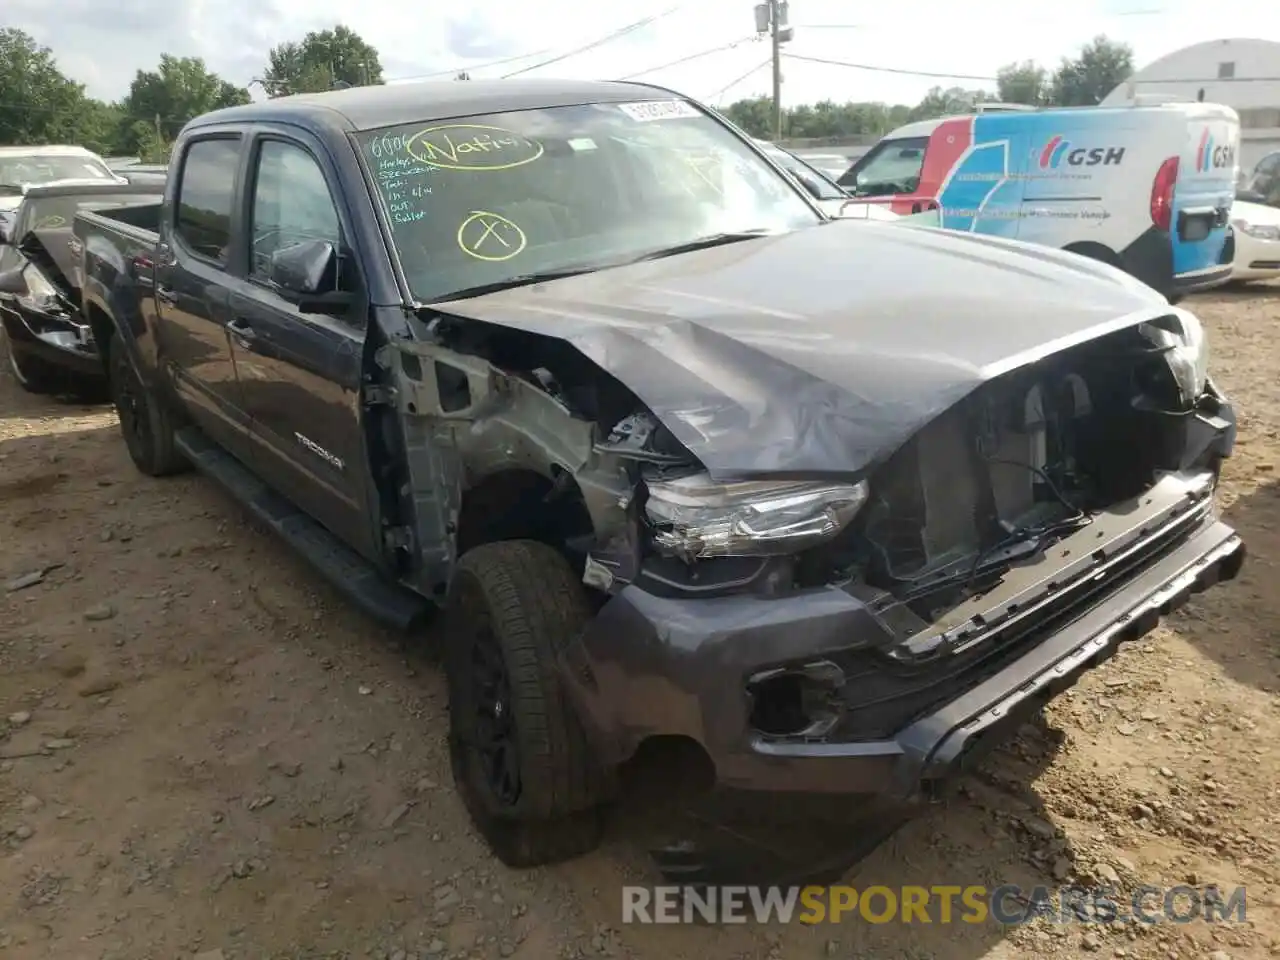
x=520, y=758
x=147, y=423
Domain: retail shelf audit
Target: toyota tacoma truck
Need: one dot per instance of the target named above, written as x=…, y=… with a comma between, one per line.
x=689, y=469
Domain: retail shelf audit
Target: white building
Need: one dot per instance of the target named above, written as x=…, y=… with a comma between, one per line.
x=1243, y=74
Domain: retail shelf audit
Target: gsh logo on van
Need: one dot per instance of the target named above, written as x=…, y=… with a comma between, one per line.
x=1059, y=151
x=1211, y=156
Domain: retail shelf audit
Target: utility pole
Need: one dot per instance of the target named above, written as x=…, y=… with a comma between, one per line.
x=771, y=17
x=777, y=69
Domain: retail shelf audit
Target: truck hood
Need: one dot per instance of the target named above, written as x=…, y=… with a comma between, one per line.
x=821, y=351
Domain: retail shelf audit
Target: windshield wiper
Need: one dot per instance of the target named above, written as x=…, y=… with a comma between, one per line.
x=520, y=280
x=704, y=243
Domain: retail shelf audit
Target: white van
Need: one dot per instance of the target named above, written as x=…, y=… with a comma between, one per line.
x=1147, y=188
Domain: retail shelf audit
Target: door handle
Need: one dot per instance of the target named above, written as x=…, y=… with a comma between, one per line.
x=243, y=331
x=166, y=296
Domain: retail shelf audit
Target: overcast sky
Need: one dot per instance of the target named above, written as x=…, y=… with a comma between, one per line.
x=102, y=44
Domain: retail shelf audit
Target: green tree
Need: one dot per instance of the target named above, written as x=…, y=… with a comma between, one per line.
x=38, y=103
x=164, y=99
x=319, y=60
x=1026, y=82
x=1102, y=66
x=755, y=115
x=940, y=102
x=100, y=127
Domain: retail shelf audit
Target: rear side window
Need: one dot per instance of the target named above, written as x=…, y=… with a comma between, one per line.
x=206, y=195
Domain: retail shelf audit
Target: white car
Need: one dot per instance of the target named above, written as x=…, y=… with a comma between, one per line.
x=1257, y=237
x=832, y=198
x=39, y=165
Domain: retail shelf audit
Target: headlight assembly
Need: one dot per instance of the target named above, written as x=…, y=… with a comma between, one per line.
x=695, y=517
x=41, y=294
x=1259, y=231
x=1186, y=350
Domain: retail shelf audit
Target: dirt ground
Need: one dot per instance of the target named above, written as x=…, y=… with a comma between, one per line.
x=206, y=753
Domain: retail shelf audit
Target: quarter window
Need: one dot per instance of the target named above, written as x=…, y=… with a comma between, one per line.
x=206, y=195
x=291, y=203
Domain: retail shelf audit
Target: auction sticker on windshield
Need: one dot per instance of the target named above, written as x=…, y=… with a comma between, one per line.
x=659, y=110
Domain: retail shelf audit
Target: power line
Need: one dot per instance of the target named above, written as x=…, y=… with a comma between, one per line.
x=692, y=56
x=607, y=38
x=729, y=86
x=478, y=66
x=877, y=69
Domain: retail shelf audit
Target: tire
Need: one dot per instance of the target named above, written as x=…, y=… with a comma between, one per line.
x=31, y=375
x=147, y=423
x=536, y=794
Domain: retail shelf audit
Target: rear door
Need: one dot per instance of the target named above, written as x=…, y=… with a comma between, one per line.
x=1204, y=192
x=300, y=373
x=193, y=266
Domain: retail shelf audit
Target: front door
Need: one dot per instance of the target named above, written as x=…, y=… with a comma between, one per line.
x=300, y=373
x=191, y=289
x=889, y=173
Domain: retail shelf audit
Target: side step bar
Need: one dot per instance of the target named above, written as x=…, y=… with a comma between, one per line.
x=346, y=570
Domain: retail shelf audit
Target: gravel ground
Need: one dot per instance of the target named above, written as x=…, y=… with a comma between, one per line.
x=207, y=754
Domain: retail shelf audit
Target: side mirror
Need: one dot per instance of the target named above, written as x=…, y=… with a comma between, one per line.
x=304, y=269
x=13, y=282
x=814, y=190
x=306, y=274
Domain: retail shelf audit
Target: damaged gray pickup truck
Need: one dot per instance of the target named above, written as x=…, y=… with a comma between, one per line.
x=692, y=470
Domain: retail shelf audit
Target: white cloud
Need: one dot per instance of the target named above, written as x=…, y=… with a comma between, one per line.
x=102, y=46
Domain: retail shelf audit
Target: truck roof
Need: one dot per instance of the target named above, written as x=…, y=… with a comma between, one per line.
x=47, y=150
x=385, y=105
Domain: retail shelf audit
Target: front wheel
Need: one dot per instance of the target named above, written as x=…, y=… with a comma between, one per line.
x=146, y=422
x=520, y=758
x=31, y=375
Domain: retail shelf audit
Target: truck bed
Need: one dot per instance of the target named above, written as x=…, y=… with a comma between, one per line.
x=136, y=223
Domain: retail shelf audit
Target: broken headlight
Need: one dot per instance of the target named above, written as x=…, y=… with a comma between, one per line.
x=695, y=517
x=1182, y=338
x=41, y=295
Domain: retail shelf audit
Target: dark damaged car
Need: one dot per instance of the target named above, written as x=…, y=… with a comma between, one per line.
x=48, y=343
x=691, y=469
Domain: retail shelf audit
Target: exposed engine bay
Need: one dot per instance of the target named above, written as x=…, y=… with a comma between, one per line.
x=1022, y=462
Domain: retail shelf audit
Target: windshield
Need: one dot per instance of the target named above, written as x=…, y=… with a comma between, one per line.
x=485, y=199
x=37, y=169
x=816, y=182
x=890, y=167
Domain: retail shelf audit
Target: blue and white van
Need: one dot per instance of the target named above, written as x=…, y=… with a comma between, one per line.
x=1147, y=188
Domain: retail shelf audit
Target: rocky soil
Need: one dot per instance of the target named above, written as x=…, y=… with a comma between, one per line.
x=206, y=754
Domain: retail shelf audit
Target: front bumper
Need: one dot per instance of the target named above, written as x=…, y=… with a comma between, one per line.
x=1255, y=258
x=59, y=343
x=650, y=666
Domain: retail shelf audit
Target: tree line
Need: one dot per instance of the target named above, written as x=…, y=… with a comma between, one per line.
x=1083, y=80
x=40, y=104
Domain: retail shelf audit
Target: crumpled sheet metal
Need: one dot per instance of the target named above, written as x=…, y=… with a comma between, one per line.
x=820, y=352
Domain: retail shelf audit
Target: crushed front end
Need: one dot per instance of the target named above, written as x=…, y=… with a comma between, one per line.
x=44, y=321
x=871, y=635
